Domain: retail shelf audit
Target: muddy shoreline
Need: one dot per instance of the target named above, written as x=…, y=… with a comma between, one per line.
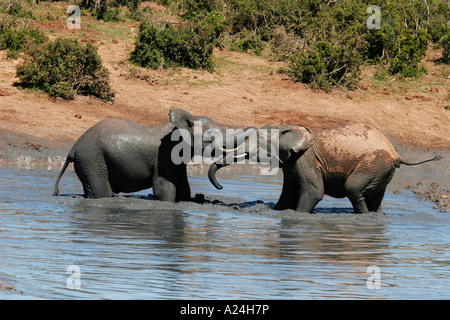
x=439, y=194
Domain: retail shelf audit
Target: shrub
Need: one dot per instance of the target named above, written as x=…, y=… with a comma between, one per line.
x=264, y=16
x=187, y=46
x=445, y=43
x=18, y=8
x=324, y=64
x=283, y=44
x=375, y=45
x=406, y=26
x=133, y=5
x=248, y=40
x=17, y=40
x=107, y=12
x=64, y=68
x=409, y=49
x=197, y=9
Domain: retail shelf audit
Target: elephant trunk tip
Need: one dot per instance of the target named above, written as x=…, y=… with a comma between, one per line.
x=212, y=176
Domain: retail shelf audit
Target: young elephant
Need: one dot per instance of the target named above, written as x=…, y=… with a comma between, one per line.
x=354, y=161
x=121, y=156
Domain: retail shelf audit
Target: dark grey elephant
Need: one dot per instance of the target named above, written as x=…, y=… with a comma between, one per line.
x=121, y=156
x=354, y=161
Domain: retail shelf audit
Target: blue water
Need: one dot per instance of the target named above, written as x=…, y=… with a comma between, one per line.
x=134, y=247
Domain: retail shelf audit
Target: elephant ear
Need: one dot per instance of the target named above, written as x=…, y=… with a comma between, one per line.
x=180, y=118
x=304, y=140
x=294, y=141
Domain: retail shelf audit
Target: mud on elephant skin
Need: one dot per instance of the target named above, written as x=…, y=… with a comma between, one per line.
x=355, y=161
x=117, y=156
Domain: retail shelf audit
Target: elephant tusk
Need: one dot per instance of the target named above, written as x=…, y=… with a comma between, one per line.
x=241, y=155
x=279, y=159
x=229, y=150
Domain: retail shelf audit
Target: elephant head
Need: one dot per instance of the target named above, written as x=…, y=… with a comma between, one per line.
x=204, y=136
x=282, y=143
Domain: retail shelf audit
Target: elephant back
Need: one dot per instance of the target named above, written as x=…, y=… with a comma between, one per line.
x=354, y=141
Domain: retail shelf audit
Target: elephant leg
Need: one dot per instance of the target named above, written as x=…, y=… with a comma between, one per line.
x=311, y=192
x=289, y=196
x=366, y=186
x=374, y=200
x=94, y=178
x=354, y=188
x=374, y=203
x=183, y=189
x=164, y=190
x=359, y=204
x=310, y=196
x=171, y=183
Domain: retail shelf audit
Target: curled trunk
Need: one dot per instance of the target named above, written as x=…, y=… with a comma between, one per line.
x=212, y=174
x=240, y=141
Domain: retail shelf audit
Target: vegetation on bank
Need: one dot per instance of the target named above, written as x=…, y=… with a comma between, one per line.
x=64, y=68
x=188, y=46
x=323, y=42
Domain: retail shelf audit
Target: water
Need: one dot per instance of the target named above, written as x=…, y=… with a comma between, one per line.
x=134, y=247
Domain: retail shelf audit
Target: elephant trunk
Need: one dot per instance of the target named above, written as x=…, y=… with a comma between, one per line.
x=227, y=159
x=212, y=174
x=241, y=140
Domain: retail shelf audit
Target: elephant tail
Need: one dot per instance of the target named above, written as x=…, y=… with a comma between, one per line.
x=401, y=161
x=69, y=159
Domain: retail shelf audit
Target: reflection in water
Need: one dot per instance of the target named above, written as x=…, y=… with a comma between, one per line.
x=231, y=246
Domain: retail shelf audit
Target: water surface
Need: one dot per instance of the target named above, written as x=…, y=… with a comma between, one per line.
x=234, y=246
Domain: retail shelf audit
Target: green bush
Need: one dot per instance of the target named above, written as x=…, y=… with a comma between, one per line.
x=64, y=68
x=107, y=12
x=409, y=50
x=331, y=54
x=17, y=40
x=445, y=43
x=263, y=16
x=248, y=40
x=438, y=21
x=198, y=9
x=324, y=64
x=400, y=44
x=18, y=9
x=186, y=46
x=133, y=5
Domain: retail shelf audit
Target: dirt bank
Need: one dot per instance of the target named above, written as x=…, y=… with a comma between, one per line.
x=438, y=194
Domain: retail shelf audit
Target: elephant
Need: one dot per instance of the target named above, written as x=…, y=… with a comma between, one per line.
x=117, y=155
x=355, y=161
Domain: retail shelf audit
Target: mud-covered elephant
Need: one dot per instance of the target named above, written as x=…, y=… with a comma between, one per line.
x=121, y=156
x=355, y=161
